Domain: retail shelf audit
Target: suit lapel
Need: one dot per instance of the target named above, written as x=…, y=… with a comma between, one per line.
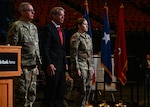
x=54, y=30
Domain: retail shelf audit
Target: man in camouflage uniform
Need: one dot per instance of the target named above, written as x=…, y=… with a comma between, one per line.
x=82, y=64
x=24, y=33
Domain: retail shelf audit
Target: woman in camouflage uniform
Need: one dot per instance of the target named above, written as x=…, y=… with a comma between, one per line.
x=82, y=64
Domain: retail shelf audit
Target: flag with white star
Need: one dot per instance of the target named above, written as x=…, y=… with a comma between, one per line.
x=106, y=49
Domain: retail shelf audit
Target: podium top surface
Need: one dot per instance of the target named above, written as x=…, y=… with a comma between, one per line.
x=7, y=46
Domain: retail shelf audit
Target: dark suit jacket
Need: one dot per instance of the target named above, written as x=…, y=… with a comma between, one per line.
x=53, y=52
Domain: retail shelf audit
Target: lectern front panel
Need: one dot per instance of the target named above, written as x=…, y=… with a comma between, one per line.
x=10, y=61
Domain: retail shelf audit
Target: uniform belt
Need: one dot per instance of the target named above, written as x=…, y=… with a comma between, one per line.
x=30, y=67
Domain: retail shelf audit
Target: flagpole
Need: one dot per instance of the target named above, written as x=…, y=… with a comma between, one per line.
x=120, y=54
x=104, y=100
x=106, y=54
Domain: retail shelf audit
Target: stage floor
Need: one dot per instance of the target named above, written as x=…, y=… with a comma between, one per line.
x=130, y=95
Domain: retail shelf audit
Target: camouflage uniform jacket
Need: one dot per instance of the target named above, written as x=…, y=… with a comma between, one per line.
x=81, y=51
x=25, y=35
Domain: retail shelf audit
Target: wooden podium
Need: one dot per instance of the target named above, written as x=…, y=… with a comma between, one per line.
x=10, y=66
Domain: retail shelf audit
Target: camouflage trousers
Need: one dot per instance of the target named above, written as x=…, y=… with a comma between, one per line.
x=67, y=94
x=82, y=86
x=68, y=88
x=25, y=88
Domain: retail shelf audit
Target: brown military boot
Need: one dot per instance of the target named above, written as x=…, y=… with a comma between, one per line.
x=88, y=105
x=65, y=103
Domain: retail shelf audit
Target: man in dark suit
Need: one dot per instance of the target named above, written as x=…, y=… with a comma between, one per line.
x=146, y=65
x=54, y=59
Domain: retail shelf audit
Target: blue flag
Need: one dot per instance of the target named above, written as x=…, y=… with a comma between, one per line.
x=86, y=16
x=106, y=49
